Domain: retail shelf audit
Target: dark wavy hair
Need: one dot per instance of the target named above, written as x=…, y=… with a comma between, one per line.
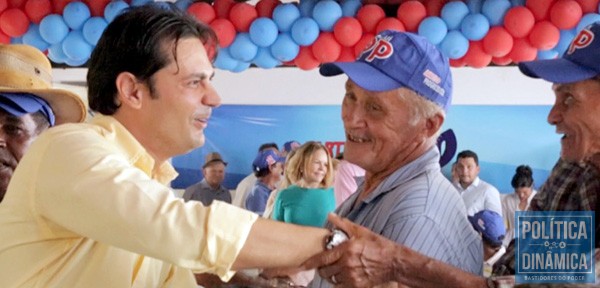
x=523, y=177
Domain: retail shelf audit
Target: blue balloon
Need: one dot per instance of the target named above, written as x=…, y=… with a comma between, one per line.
x=263, y=31
x=475, y=26
x=241, y=67
x=75, y=46
x=284, y=49
x=495, y=10
x=53, y=28
x=113, y=9
x=224, y=60
x=350, y=7
x=566, y=36
x=547, y=54
x=183, y=5
x=586, y=20
x=242, y=48
x=75, y=14
x=33, y=38
x=265, y=60
x=306, y=7
x=305, y=31
x=16, y=40
x=285, y=15
x=516, y=3
x=453, y=13
x=455, y=45
x=163, y=5
x=434, y=29
x=56, y=53
x=93, y=28
x=140, y=2
x=474, y=5
x=75, y=62
x=326, y=13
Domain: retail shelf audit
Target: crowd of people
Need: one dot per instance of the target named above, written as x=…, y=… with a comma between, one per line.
x=88, y=204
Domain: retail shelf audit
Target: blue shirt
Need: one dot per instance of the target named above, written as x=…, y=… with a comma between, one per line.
x=418, y=207
x=206, y=194
x=304, y=206
x=257, y=200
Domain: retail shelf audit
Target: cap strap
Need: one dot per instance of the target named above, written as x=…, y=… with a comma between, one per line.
x=20, y=65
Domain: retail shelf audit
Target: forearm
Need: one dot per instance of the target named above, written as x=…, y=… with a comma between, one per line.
x=416, y=270
x=276, y=244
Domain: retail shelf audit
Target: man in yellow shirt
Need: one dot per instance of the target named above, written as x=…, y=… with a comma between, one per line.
x=89, y=204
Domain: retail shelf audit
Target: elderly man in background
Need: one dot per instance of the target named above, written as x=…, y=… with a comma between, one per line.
x=28, y=104
x=210, y=188
x=395, y=103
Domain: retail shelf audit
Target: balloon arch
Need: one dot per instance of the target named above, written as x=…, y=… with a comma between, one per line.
x=474, y=33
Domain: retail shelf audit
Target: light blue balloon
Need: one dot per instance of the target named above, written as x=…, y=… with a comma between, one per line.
x=475, y=5
x=140, y=2
x=350, y=8
x=566, y=36
x=284, y=49
x=495, y=10
x=326, y=13
x=75, y=14
x=56, y=53
x=75, y=46
x=306, y=7
x=163, y=5
x=586, y=20
x=263, y=32
x=224, y=60
x=305, y=31
x=434, y=29
x=516, y=3
x=183, y=5
x=242, y=48
x=113, y=9
x=265, y=60
x=475, y=26
x=93, y=28
x=455, y=45
x=546, y=54
x=285, y=15
x=75, y=62
x=241, y=67
x=53, y=28
x=33, y=38
x=453, y=14
x=16, y=40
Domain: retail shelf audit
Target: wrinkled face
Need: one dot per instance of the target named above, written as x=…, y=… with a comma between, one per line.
x=16, y=134
x=466, y=170
x=277, y=170
x=379, y=132
x=576, y=115
x=183, y=98
x=214, y=173
x=315, y=168
x=523, y=192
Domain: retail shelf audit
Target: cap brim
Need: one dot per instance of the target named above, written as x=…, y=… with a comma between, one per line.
x=363, y=74
x=67, y=106
x=556, y=70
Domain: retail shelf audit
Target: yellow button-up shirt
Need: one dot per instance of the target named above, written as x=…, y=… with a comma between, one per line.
x=87, y=207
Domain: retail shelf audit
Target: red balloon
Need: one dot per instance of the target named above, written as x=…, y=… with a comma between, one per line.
x=3, y=5
x=16, y=3
x=347, y=55
x=588, y=6
x=96, y=6
x=411, y=13
x=241, y=15
x=225, y=31
x=522, y=51
x=460, y=62
x=363, y=43
x=265, y=8
x=519, y=21
x=36, y=10
x=390, y=24
x=305, y=59
x=59, y=5
x=14, y=22
x=501, y=61
x=347, y=31
x=476, y=57
x=544, y=35
x=222, y=7
x=497, y=42
x=325, y=48
x=369, y=15
x=539, y=8
x=434, y=7
x=4, y=39
x=565, y=14
x=202, y=11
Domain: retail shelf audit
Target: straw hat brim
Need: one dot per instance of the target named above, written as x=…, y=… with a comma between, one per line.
x=66, y=105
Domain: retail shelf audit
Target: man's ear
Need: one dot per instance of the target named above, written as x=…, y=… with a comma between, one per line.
x=433, y=124
x=130, y=90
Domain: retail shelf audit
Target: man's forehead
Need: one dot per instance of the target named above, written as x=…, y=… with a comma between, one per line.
x=6, y=117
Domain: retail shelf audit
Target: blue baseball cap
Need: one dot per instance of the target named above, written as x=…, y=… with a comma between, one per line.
x=581, y=61
x=19, y=104
x=265, y=159
x=491, y=226
x=399, y=59
x=291, y=145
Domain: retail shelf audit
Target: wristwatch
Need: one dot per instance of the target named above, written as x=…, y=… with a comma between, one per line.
x=336, y=238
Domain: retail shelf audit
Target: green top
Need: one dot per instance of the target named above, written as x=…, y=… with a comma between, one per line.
x=304, y=206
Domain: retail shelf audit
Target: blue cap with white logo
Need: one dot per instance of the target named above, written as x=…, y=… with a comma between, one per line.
x=581, y=61
x=399, y=59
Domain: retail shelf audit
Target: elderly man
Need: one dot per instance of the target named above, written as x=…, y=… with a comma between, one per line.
x=573, y=184
x=28, y=104
x=394, y=106
x=210, y=188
